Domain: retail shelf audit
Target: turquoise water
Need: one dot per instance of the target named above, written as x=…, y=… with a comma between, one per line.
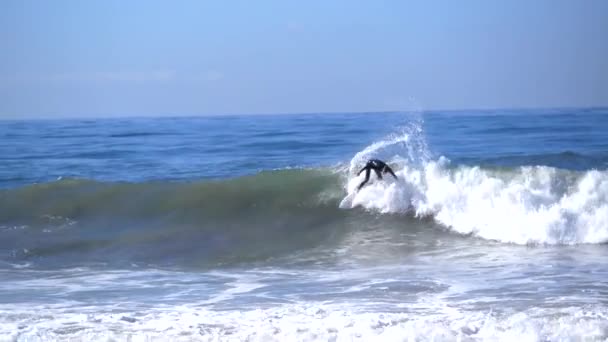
x=248, y=228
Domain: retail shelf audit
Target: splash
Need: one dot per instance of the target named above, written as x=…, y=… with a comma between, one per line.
x=409, y=138
x=523, y=205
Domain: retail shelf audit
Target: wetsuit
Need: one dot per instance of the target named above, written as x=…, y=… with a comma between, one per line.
x=379, y=168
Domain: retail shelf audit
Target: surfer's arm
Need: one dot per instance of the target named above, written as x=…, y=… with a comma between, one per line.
x=363, y=169
x=367, y=172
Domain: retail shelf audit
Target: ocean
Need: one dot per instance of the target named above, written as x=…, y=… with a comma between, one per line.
x=249, y=228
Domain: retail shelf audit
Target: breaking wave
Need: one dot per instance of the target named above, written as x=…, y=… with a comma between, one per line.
x=530, y=204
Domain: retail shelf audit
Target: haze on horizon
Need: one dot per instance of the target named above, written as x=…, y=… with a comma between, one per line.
x=114, y=58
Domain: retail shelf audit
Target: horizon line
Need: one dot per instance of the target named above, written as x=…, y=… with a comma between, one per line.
x=197, y=115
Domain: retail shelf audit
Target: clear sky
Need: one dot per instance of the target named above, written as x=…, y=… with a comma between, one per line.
x=190, y=57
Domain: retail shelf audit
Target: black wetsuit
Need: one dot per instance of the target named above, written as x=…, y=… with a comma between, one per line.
x=378, y=166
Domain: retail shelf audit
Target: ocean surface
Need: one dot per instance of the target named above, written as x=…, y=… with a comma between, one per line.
x=249, y=228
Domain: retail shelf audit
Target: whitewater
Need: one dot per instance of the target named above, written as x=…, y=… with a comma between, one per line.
x=527, y=205
x=248, y=228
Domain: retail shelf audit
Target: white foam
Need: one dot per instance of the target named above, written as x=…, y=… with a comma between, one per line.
x=532, y=204
x=526, y=205
x=300, y=322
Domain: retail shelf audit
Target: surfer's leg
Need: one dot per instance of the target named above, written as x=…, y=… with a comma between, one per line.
x=389, y=170
x=378, y=173
x=365, y=180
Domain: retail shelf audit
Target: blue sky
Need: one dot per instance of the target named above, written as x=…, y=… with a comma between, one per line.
x=131, y=58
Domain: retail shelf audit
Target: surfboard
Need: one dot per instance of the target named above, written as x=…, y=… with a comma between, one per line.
x=347, y=202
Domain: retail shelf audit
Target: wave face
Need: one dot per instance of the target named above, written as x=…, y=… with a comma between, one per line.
x=253, y=217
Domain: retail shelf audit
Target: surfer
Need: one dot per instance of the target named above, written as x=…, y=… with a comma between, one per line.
x=378, y=166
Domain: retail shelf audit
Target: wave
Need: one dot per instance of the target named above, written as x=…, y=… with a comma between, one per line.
x=523, y=205
x=280, y=212
x=247, y=218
